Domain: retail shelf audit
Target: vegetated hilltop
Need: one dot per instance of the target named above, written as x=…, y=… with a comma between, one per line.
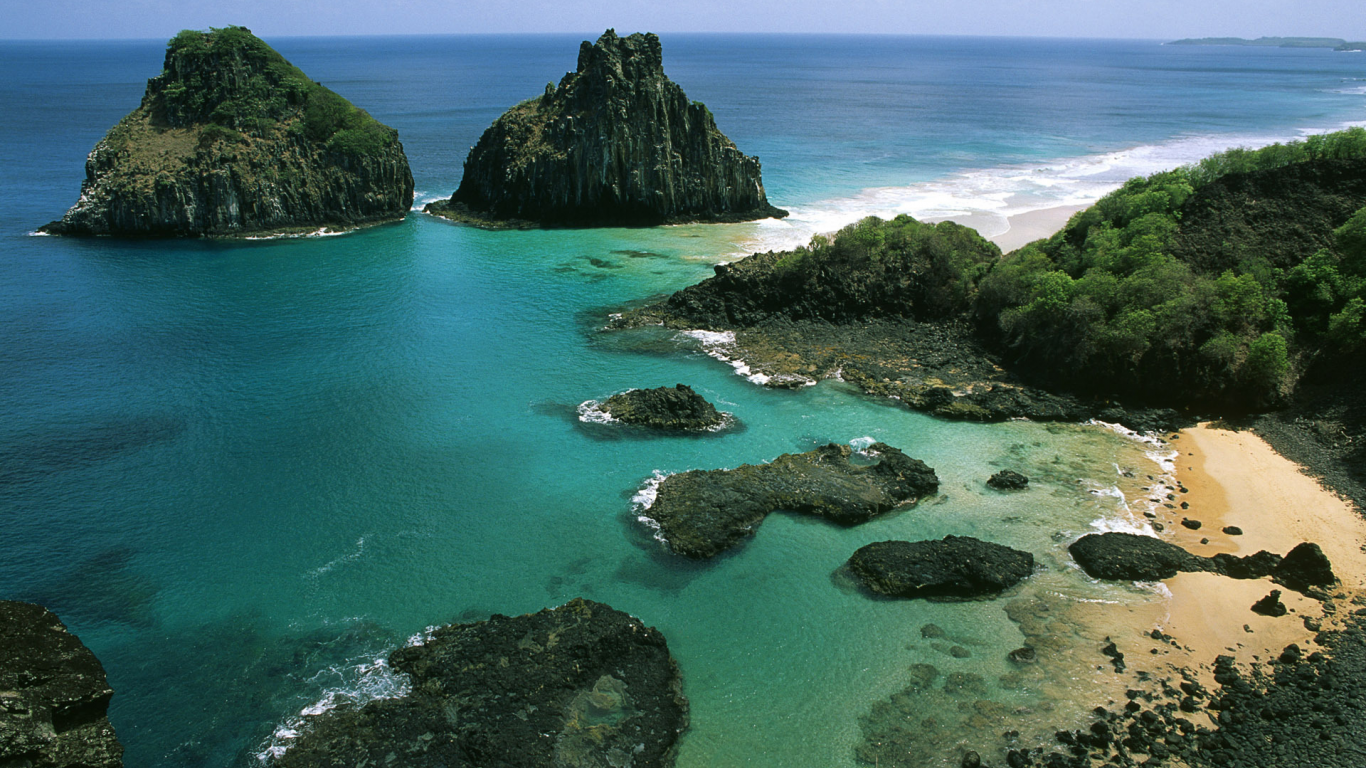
x=232, y=139
x=617, y=143
x=1216, y=285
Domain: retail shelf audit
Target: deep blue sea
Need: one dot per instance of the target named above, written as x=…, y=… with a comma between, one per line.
x=243, y=472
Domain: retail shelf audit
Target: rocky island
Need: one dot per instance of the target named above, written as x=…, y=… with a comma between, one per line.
x=233, y=140
x=582, y=686
x=616, y=143
x=53, y=695
x=676, y=409
x=702, y=513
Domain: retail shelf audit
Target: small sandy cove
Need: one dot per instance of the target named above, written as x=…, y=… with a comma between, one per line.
x=1236, y=479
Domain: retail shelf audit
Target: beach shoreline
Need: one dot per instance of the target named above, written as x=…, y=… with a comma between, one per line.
x=1025, y=228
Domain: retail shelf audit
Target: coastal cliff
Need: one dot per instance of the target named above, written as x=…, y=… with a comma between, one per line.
x=616, y=143
x=53, y=695
x=231, y=139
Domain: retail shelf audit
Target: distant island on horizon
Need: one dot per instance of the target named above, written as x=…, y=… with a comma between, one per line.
x=1336, y=43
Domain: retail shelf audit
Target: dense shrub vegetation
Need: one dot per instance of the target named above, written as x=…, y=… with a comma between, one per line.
x=1104, y=307
x=229, y=78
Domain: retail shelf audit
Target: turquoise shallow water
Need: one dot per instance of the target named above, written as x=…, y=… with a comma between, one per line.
x=242, y=472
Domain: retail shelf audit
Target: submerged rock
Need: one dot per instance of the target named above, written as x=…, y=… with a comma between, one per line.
x=678, y=408
x=703, y=512
x=954, y=567
x=1008, y=480
x=579, y=685
x=616, y=143
x=53, y=695
x=233, y=140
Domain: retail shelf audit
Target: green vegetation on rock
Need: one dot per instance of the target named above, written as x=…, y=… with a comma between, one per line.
x=232, y=139
x=1175, y=282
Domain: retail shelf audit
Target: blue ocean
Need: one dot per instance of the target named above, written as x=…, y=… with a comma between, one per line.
x=243, y=472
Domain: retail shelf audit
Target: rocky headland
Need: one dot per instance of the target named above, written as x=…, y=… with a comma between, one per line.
x=232, y=140
x=582, y=685
x=53, y=695
x=616, y=143
x=676, y=408
x=953, y=567
x=702, y=513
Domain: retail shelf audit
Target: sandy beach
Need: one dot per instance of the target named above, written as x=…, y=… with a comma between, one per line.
x=1236, y=479
x=1034, y=225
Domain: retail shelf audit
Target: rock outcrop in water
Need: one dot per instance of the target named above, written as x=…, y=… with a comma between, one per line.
x=617, y=143
x=678, y=408
x=954, y=567
x=233, y=140
x=53, y=695
x=579, y=686
x=701, y=513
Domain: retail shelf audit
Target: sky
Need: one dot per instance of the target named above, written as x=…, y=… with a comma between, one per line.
x=1152, y=19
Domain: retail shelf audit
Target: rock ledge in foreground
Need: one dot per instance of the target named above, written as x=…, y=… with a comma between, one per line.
x=579, y=685
x=53, y=695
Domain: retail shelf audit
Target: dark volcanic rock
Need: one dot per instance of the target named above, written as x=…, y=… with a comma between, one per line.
x=1305, y=567
x=617, y=143
x=232, y=140
x=1270, y=605
x=703, y=512
x=956, y=566
x=1131, y=557
x=678, y=408
x=53, y=695
x=1008, y=480
x=580, y=685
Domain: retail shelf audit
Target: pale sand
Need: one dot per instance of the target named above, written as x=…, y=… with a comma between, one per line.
x=1236, y=478
x=1034, y=225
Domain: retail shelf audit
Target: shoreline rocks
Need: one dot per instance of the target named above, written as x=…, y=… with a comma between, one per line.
x=1117, y=556
x=674, y=409
x=232, y=140
x=954, y=567
x=1008, y=480
x=54, y=697
x=702, y=513
x=580, y=685
x=616, y=143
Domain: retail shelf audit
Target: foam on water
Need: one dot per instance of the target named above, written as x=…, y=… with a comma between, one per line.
x=721, y=345
x=986, y=198
x=591, y=412
x=645, y=498
x=349, y=557
x=354, y=684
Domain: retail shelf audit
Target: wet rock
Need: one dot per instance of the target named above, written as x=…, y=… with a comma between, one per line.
x=53, y=695
x=1131, y=557
x=678, y=408
x=971, y=760
x=1194, y=525
x=1270, y=605
x=232, y=140
x=616, y=143
x=1008, y=480
x=579, y=685
x=1304, y=568
x=1233, y=530
x=1024, y=655
x=703, y=512
x=1116, y=656
x=954, y=567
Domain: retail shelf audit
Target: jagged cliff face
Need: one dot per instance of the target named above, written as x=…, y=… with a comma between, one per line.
x=53, y=695
x=231, y=139
x=616, y=143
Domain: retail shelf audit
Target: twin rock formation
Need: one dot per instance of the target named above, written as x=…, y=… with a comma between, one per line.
x=233, y=140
